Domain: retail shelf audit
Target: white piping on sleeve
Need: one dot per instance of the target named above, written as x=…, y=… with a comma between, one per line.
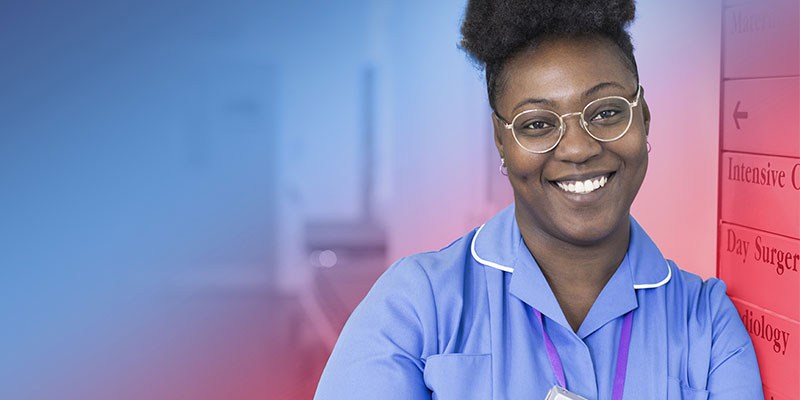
x=486, y=262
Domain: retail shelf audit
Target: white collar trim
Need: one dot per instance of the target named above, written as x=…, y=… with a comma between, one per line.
x=509, y=269
x=655, y=285
x=486, y=262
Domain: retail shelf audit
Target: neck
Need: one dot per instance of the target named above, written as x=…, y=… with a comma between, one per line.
x=577, y=273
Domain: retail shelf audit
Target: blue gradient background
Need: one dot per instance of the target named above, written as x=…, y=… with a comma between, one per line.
x=161, y=159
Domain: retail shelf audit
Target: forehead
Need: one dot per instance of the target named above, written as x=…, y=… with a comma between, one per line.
x=561, y=70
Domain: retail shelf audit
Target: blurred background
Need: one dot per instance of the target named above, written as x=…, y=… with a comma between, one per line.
x=195, y=194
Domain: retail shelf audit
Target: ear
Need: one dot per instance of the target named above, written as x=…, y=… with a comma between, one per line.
x=499, y=128
x=645, y=113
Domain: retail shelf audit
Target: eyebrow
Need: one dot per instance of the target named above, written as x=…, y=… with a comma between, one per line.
x=589, y=92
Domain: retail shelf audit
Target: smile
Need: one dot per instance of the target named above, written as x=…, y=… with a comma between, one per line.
x=583, y=186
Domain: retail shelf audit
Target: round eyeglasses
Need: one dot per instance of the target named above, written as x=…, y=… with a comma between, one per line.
x=539, y=131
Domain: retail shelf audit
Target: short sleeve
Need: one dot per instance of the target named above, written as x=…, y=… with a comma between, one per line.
x=379, y=354
x=733, y=372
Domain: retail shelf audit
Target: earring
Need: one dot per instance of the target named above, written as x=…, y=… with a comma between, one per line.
x=503, y=166
x=649, y=147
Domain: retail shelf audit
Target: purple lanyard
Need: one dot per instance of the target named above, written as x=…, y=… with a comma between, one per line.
x=622, y=355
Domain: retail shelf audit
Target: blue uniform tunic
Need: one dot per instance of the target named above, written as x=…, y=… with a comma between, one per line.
x=456, y=324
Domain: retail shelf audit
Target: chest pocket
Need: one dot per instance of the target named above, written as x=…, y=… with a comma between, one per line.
x=676, y=390
x=459, y=376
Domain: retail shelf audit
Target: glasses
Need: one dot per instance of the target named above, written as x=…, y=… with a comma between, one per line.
x=539, y=131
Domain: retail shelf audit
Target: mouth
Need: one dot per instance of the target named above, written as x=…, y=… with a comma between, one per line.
x=584, y=186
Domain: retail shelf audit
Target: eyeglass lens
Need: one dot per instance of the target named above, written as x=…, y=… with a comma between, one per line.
x=606, y=119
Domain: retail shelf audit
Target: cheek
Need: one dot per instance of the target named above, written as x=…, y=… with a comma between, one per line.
x=524, y=167
x=632, y=147
x=524, y=176
x=641, y=172
x=640, y=152
x=634, y=155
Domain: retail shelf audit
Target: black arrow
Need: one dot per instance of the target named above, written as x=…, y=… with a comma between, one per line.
x=738, y=114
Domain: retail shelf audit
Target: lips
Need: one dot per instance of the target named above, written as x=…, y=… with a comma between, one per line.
x=583, y=183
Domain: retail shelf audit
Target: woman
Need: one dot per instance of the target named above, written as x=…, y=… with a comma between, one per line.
x=562, y=293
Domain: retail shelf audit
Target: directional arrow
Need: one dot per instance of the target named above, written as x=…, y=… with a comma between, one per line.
x=738, y=114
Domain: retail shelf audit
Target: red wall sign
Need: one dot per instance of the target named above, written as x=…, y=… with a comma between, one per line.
x=758, y=242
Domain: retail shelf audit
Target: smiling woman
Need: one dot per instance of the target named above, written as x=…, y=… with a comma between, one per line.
x=592, y=226
x=562, y=293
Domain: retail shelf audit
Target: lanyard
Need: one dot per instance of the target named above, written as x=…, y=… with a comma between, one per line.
x=622, y=355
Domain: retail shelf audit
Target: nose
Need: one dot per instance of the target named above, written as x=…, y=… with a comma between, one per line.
x=576, y=145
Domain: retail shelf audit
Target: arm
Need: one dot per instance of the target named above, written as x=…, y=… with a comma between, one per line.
x=379, y=352
x=733, y=372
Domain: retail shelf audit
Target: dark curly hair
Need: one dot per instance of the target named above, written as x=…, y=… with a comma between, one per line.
x=492, y=31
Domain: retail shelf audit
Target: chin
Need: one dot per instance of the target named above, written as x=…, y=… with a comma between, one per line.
x=591, y=231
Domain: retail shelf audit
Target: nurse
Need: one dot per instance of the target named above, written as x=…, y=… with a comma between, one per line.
x=563, y=292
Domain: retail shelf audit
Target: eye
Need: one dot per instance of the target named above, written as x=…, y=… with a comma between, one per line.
x=537, y=125
x=604, y=114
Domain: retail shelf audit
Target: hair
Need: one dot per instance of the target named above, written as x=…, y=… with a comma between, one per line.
x=493, y=31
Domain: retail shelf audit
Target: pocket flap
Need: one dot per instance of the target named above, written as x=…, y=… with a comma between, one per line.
x=459, y=376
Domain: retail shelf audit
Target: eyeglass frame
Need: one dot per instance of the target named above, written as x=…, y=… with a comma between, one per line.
x=563, y=126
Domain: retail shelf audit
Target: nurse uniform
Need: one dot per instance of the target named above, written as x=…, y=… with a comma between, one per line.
x=459, y=323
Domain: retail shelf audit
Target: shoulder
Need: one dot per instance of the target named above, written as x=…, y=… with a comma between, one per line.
x=696, y=296
x=404, y=318
x=430, y=293
x=708, y=314
x=716, y=349
x=438, y=270
x=448, y=259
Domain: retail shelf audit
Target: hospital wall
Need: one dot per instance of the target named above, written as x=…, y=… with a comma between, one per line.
x=175, y=176
x=759, y=182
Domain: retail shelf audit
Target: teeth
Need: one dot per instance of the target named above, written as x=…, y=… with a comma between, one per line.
x=583, y=187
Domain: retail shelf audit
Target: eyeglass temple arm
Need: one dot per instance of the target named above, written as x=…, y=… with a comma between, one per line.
x=638, y=93
x=499, y=118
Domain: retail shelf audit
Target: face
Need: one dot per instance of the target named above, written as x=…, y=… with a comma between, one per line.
x=568, y=74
